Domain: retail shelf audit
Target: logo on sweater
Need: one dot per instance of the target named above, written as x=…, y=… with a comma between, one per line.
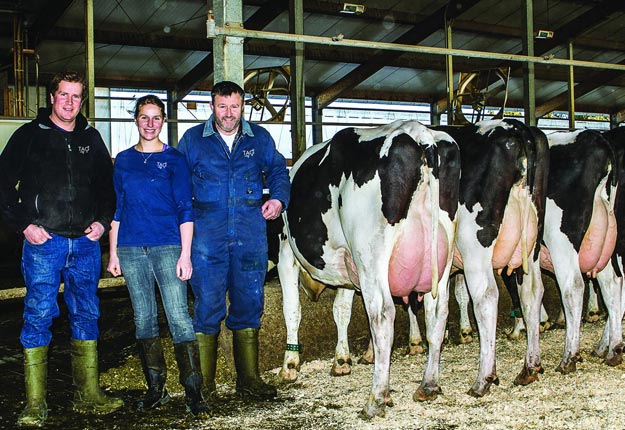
x=248, y=153
x=161, y=164
x=83, y=149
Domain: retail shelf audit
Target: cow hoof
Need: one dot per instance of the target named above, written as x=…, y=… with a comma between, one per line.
x=288, y=375
x=568, y=366
x=515, y=334
x=544, y=326
x=615, y=360
x=466, y=337
x=528, y=375
x=341, y=367
x=481, y=392
x=415, y=349
x=365, y=360
x=373, y=409
x=592, y=317
x=426, y=394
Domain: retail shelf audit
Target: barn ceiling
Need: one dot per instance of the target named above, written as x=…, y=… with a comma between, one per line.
x=162, y=44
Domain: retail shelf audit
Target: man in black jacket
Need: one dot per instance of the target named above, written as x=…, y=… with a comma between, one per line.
x=56, y=188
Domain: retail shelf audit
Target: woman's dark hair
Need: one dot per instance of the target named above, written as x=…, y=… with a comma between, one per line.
x=67, y=76
x=150, y=99
x=226, y=88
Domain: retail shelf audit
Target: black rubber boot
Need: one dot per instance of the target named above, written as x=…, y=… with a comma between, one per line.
x=188, y=358
x=35, y=378
x=155, y=371
x=89, y=398
x=249, y=383
x=207, y=345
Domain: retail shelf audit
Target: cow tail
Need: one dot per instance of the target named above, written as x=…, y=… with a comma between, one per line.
x=614, y=174
x=432, y=162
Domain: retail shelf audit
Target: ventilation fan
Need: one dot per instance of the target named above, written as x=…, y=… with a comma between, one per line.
x=269, y=90
x=478, y=93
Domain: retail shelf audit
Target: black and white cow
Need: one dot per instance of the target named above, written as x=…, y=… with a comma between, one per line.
x=610, y=279
x=500, y=222
x=373, y=210
x=579, y=238
x=497, y=227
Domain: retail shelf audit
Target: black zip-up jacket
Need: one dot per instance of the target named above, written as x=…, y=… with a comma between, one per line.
x=59, y=180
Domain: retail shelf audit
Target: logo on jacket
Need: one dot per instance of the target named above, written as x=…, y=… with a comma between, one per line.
x=248, y=153
x=83, y=149
x=161, y=164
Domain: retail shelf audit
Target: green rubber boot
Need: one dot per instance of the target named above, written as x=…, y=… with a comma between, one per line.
x=188, y=358
x=89, y=398
x=207, y=345
x=249, y=383
x=35, y=377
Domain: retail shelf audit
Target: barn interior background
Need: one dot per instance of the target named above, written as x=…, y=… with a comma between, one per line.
x=310, y=68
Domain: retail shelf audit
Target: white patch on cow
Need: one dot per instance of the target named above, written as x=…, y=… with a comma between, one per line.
x=562, y=137
x=414, y=129
x=485, y=127
x=307, y=154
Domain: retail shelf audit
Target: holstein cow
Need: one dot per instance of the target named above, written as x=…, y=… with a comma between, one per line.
x=500, y=221
x=610, y=279
x=373, y=210
x=579, y=239
x=497, y=226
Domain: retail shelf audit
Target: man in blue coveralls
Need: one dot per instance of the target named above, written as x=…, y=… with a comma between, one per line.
x=229, y=158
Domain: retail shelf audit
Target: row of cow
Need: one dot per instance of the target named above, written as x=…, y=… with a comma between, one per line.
x=392, y=211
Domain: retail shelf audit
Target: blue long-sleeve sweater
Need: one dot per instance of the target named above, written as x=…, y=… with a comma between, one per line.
x=153, y=197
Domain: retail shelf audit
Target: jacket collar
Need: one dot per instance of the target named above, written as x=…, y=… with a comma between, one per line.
x=43, y=118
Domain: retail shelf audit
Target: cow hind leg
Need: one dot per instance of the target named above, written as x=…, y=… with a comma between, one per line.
x=462, y=297
x=415, y=342
x=288, y=272
x=592, y=309
x=610, y=346
x=436, y=313
x=485, y=296
x=342, y=310
x=531, y=295
x=381, y=311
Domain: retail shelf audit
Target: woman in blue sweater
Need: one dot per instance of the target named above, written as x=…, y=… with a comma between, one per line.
x=150, y=240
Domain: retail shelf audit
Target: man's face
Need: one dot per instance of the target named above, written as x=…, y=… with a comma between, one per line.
x=227, y=111
x=66, y=103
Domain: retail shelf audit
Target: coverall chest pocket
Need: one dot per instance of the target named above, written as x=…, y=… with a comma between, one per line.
x=206, y=185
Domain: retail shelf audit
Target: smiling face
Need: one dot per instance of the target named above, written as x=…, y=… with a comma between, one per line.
x=149, y=121
x=66, y=102
x=227, y=111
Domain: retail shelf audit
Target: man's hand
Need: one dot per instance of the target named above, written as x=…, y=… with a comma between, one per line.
x=272, y=209
x=95, y=231
x=36, y=235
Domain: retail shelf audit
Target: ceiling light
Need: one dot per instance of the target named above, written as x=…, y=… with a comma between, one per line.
x=544, y=34
x=354, y=9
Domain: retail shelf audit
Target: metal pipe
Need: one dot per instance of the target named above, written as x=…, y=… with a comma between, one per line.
x=234, y=31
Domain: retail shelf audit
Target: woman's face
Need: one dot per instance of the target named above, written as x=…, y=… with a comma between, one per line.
x=149, y=121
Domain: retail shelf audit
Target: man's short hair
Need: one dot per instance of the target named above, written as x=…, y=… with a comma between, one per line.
x=226, y=88
x=67, y=76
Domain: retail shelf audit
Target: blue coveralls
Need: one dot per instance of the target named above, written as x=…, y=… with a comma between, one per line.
x=229, y=251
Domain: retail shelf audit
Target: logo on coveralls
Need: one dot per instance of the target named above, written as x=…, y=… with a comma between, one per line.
x=248, y=153
x=83, y=149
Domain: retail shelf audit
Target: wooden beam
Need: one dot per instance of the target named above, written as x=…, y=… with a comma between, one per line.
x=413, y=36
x=47, y=17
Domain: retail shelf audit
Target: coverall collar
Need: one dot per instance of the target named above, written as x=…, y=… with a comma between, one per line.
x=209, y=128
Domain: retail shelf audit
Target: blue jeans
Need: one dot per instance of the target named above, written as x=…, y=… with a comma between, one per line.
x=141, y=265
x=75, y=261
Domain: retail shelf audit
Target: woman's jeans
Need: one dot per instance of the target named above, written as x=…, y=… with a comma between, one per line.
x=141, y=266
x=75, y=261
